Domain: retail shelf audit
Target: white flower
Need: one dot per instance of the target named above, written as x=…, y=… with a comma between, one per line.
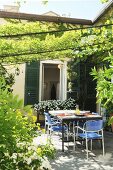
x=28, y=160
x=32, y=148
x=34, y=156
x=45, y=164
x=14, y=156
x=40, y=140
x=20, y=144
x=6, y=154
x=20, y=155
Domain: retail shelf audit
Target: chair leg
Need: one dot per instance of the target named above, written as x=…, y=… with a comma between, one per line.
x=87, y=147
x=82, y=142
x=75, y=135
x=48, y=132
x=91, y=144
x=67, y=134
x=103, y=148
x=45, y=125
x=46, y=128
x=75, y=131
x=74, y=142
x=69, y=129
x=103, y=144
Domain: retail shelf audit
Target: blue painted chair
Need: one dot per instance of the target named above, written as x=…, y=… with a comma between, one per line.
x=92, y=130
x=48, y=118
x=53, y=125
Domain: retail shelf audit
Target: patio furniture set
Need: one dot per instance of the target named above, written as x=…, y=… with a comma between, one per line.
x=82, y=126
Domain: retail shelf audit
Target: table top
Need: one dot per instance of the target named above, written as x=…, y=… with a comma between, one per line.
x=80, y=117
x=66, y=112
x=70, y=115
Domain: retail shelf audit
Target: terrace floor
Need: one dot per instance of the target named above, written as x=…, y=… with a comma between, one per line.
x=76, y=160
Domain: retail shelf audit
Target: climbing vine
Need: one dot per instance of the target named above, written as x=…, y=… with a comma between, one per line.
x=26, y=41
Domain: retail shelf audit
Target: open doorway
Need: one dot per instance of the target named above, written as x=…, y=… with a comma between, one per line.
x=53, y=80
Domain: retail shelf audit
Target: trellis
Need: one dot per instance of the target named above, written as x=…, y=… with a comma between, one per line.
x=72, y=42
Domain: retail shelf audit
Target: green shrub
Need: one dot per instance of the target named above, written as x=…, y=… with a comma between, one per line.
x=17, y=124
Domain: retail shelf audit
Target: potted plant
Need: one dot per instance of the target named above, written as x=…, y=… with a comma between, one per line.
x=54, y=105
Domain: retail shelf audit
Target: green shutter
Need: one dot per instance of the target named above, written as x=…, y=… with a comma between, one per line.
x=87, y=87
x=32, y=83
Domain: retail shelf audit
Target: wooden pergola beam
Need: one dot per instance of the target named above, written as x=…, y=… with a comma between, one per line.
x=35, y=17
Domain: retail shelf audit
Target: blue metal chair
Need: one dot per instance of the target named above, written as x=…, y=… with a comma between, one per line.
x=47, y=118
x=92, y=130
x=53, y=125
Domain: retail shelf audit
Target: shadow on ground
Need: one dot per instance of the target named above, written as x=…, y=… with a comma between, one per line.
x=76, y=160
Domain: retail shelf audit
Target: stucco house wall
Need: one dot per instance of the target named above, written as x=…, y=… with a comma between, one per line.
x=19, y=85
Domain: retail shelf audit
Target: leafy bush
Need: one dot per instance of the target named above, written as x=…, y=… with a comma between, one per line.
x=17, y=124
x=104, y=78
x=55, y=105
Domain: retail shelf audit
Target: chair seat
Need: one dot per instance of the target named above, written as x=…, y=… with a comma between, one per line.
x=58, y=128
x=52, y=122
x=90, y=135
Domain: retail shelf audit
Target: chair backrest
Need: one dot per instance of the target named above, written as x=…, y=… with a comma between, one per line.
x=94, y=125
x=47, y=117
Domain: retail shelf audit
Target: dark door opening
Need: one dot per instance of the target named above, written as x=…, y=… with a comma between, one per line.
x=51, y=80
